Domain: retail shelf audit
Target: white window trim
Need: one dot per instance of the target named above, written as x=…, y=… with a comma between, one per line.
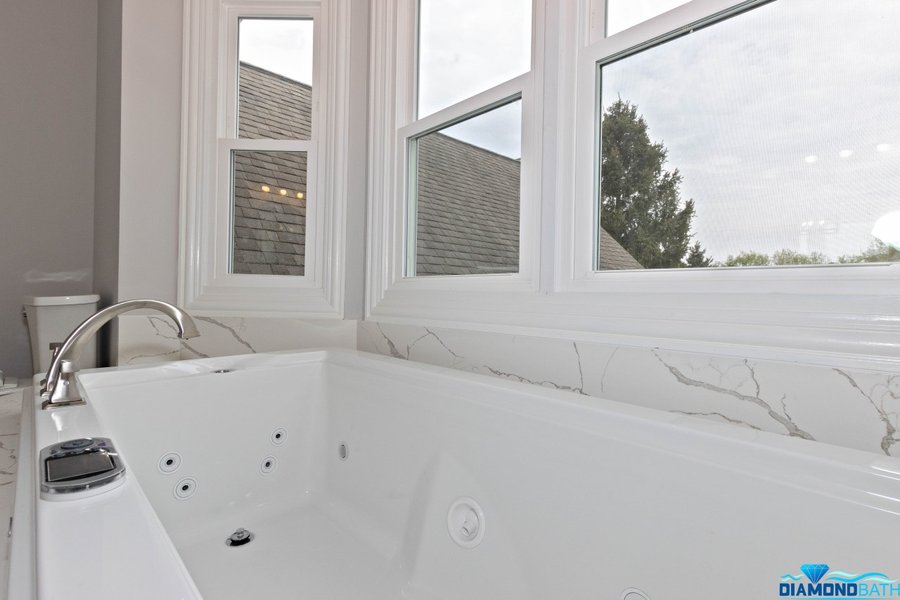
x=208, y=135
x=830, y=315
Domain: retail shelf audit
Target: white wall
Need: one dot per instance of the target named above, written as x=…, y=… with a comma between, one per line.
x=48, y=65
x=150, y=149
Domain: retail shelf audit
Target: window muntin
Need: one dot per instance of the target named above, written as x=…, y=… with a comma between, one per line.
x=468, y=46
x=275, y=79
x=783, y=141
x=466, y=199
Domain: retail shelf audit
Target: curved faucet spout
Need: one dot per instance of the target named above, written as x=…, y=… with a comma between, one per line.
x=59, y=388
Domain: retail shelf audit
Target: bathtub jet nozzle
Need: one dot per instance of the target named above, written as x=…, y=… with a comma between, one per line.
x=240, y=537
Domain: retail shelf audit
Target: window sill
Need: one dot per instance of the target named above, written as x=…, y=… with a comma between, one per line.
x=807, y=315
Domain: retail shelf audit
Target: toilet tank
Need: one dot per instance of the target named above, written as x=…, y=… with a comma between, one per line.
x=52, y=319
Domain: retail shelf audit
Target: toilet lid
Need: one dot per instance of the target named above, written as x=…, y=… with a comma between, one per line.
x=61, y=300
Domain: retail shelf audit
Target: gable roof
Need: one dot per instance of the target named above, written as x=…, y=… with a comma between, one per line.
x=467, y=205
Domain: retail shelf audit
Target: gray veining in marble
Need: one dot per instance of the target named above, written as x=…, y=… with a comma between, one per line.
x=850, y=408
x=578, y=389
x=147, y=339
x=230, y=330
x=782, y=419
x=890, y=435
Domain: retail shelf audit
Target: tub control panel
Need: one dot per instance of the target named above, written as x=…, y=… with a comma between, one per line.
x=79, y=465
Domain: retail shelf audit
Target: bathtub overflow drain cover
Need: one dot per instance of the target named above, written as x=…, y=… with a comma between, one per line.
x=239, y=538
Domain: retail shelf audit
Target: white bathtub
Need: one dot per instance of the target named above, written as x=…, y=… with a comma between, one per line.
x=580, y=498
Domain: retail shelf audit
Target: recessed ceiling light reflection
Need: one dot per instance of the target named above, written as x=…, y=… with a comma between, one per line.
x=845, y=153
x=812, y=158
x=883, y=147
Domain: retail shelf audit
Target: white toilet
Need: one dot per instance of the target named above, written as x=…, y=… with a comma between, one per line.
x=52, y=319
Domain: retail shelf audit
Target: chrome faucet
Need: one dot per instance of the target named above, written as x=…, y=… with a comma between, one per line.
x=59, y=388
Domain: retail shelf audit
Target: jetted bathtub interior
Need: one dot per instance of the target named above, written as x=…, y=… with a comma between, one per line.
x=362, y=477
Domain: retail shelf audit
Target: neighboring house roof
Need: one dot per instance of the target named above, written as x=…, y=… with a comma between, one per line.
x=467, y=201
x=467, y=209
x=613, y=256
x=270, y=228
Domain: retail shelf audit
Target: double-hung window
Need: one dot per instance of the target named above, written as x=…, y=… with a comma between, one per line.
x=461, y=130
x=265, y=143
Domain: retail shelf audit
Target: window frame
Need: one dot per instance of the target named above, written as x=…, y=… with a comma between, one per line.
x=209, y=135
x=832, y=315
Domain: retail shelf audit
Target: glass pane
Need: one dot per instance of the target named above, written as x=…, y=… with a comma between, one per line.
x=622, y=14
x=468, y=46
x=269, y=225
x=756, y=142
x=467, y=195
x=275, y=79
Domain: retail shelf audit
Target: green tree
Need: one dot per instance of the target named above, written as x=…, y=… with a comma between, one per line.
x=697, y=257
x=641, y=206
x=782, y=257
x=878, y=251
x=790, y=257
x=747, y=259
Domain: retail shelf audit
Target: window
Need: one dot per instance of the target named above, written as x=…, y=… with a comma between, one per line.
x=750, y=142
x=658, y=141
x=466, y=196
x=464, y=141
x=269, y=188
x=266, y=155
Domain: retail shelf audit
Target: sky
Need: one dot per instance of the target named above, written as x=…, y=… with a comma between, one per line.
x=467, y=47
x=283, y=46
x=622, y=14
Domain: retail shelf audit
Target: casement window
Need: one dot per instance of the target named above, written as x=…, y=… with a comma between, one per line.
x=264, y=147
x=710, y=172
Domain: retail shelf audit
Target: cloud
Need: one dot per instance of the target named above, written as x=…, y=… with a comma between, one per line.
x=283, y=46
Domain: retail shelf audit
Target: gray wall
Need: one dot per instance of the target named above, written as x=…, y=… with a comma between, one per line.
x=108, y=166
x=48, y=81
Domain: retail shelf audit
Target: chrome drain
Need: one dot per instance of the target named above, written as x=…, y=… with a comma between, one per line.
x=240, y=537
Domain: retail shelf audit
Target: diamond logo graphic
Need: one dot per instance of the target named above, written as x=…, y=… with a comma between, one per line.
x=814, y=572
